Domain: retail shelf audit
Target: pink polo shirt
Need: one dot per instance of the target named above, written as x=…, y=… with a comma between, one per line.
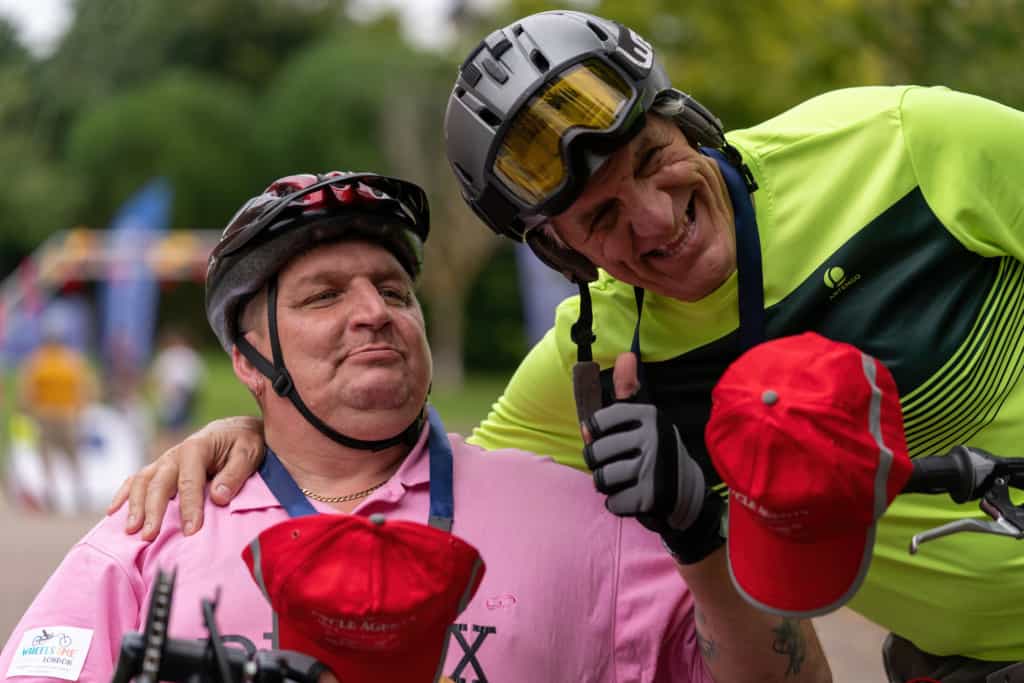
x=571, y=593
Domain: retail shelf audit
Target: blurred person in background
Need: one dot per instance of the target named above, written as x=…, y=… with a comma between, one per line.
x=889, y=218
x=176, y=375
x=55, y=386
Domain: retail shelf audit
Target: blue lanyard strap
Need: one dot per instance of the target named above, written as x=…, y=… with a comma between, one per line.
x=442, y=496
x=442, y=501
x=641, y=372
x=748, y=254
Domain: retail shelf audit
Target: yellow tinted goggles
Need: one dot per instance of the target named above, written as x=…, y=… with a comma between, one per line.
x=531, y=162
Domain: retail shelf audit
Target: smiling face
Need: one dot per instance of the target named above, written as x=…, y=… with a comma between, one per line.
x=353, y=338
x=657, y=215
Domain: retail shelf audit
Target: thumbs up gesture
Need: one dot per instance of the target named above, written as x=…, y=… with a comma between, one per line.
x=639, y=461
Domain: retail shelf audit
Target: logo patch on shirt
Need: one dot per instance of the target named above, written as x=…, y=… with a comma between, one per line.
x=837, y=280
x=53, y=651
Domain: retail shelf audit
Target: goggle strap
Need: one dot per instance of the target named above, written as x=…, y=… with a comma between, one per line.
x=582, y=331
x=641, y=374
x=586, y=374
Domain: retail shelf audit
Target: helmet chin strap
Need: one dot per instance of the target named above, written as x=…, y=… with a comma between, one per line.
x=278, y=375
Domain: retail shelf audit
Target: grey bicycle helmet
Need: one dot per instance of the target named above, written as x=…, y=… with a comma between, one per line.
x=539, y=105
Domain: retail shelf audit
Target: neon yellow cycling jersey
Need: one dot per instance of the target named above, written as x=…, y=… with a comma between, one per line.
x=891, y=218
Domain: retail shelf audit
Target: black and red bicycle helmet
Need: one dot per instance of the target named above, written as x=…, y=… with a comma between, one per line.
x=294, y=214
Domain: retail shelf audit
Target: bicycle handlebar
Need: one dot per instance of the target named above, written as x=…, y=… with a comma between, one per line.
x=967, y=473
x=963, y=473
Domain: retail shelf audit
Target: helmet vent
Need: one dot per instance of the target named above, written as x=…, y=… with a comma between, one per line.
x=539, y=60
x=489, y=117
x=517, y=30
x=598, y=31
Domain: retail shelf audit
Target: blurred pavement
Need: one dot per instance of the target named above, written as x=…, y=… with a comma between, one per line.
x=34, y=544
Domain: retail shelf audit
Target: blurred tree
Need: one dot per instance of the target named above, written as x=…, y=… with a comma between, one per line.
x=114, y=45
x=750, y=61
x=38, y=194
x=323, y=110
x=195, y=130
x=11, y=49
x=495, y=332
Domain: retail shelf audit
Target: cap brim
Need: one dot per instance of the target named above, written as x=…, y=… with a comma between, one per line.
x=419, y=663
x=792, y=578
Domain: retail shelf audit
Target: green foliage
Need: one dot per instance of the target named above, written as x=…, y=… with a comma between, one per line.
x=323, y=110
x=39, y=197
x=496, y=340
x=221, y=394
x=114, y=45
x=749, y=61
x=195, y=130
x=11, y=49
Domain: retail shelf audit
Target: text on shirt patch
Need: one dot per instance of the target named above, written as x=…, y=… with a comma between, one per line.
x=51, y=651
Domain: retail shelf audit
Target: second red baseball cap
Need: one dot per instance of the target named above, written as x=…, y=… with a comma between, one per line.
x=371, y=599
x=808, y=435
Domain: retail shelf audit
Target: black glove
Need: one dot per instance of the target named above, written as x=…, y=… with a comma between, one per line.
x=640, y=463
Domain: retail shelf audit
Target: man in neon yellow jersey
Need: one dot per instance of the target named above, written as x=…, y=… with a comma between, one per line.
x=886, y=217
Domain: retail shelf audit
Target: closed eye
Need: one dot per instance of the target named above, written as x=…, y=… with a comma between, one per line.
x=646, y=165
x=601, y=216
x=396, y=295
x=321, y=296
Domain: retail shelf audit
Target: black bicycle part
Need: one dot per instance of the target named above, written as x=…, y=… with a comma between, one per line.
x=996, y=503
x=153, y=656
x=965, y=473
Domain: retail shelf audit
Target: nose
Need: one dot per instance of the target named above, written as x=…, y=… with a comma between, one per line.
x=368, y=307
x=645, y=220
x=648, y=211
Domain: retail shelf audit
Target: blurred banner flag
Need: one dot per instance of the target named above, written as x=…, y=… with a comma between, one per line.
x=542, y=289
x=131, y=294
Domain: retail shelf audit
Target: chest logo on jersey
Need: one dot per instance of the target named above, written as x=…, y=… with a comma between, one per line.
x=839, y=281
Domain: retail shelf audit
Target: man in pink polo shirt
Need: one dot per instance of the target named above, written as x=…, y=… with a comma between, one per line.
x=311, y=292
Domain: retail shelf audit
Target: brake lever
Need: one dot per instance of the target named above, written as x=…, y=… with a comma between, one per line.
x=1007, y=519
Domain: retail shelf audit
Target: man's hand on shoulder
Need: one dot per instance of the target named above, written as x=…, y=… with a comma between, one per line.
x=230, y=450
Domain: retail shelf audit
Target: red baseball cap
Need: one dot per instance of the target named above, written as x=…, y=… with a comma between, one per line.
x=371, y=599
x=808, y=435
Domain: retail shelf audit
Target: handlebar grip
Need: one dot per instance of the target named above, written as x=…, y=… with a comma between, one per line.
x=953, y=474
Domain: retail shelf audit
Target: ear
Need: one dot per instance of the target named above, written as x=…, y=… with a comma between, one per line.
x=247, y=373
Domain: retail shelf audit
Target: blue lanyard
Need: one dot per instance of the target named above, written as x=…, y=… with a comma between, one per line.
x=442, y=499
x=749, y=275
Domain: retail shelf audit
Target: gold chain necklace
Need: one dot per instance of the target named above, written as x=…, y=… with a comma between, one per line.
x=342, y=499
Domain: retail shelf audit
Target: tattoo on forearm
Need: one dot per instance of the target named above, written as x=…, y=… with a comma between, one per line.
x=789, y=640
x=707, y=645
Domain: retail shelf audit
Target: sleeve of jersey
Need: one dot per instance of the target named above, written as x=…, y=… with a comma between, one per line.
x=72, y=630
x=655, y=631
x=968, y=155
x=536, y=412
